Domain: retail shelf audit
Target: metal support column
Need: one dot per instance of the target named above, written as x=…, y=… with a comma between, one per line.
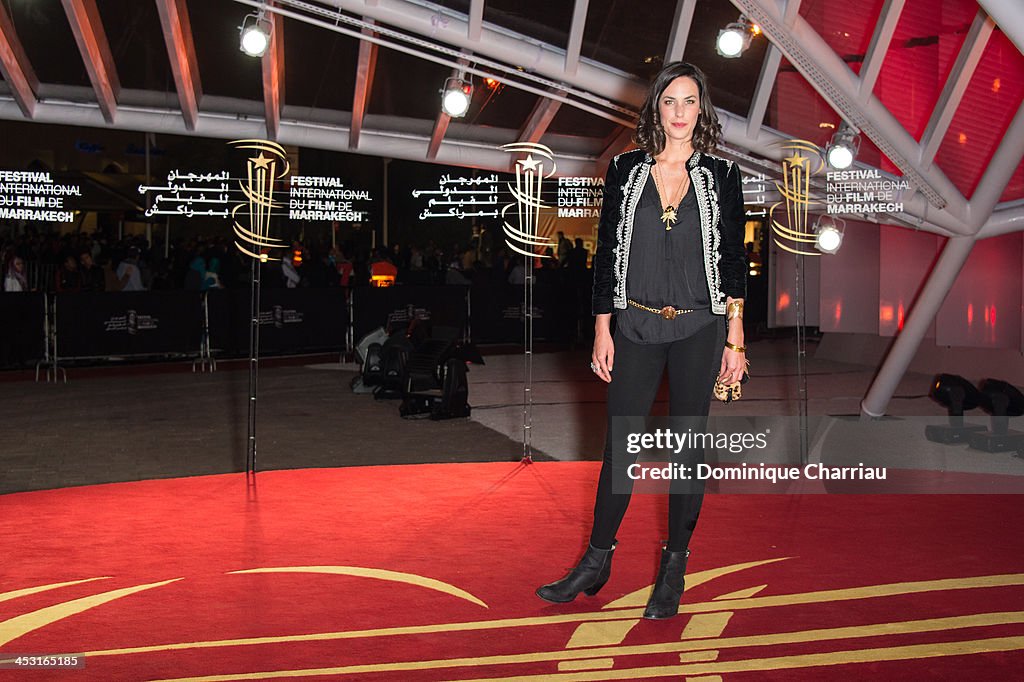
x=205, y=355
x=528, y=360
x=941, y=279
x=254, y=359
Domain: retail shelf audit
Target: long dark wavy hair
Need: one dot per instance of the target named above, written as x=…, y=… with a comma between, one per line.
x=650, y=136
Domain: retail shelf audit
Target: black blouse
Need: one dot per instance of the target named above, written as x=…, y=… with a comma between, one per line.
x=666, y=267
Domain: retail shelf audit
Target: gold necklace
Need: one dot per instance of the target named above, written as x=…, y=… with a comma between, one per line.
x=668, y=216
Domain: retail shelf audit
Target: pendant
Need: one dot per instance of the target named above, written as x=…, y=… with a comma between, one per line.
x=669, y=217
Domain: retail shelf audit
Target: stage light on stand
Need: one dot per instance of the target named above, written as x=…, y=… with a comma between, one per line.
x=957, y=395
x=828, y=234
x=734, y=39
x=1002, y=400
x=842, y=149
x=456, y=97
x=254, y=36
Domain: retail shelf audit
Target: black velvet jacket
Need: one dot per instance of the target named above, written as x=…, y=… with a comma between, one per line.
x=716, y=182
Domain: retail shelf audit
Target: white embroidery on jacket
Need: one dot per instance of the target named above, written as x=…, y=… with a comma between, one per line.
x=710, y=214
x=631, y=192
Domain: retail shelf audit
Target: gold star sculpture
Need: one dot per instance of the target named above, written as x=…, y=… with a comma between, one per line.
x=796, y=160
x=530, y=163
x=261, y=161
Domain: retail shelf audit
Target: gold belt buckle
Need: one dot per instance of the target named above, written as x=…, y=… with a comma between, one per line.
x=668, y=312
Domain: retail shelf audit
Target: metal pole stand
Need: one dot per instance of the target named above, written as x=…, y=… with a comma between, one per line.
x=350, y=330
x=50, y=360
x=254, y=355
x=205, y=356
x=801, y=352
x=528, y=362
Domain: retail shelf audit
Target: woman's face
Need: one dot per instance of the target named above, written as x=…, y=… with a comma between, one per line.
x=678, y=107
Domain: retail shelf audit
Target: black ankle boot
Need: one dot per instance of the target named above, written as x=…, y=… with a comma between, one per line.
x=668, y=588
x=589, y=576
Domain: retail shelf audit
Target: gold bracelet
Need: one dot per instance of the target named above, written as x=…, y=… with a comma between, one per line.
x=734, y=309
x=734, y=347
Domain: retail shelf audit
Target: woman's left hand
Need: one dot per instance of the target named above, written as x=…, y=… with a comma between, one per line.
x=734, y=363
x=733, y=366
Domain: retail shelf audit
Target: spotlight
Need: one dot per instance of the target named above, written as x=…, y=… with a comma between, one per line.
x=456, y=96
x=828, y=234
x=734, y=39
x=956, y=394
x=255, y=35
x=1002, y=400
x=842, y=149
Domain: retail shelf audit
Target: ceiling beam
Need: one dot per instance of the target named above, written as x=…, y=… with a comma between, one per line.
x=273, y=77
x=545, y=60
x=15, y=66
x=575, y=44
x=308, y=134
x=365, y=68
x=1009, y=14
x=766, y=79
x=476, y=20
x=540, y=118
x=953, y=91
x=618, y=142
x=87, y=28
x=828, y=74
x=1004, y=163
x=181, y=52
x=436, y=137
x=763, y=91
x=885, y=27
x=1006, y=218
x=681, y=22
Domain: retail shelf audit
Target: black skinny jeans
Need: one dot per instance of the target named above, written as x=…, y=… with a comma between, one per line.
x=693, y=363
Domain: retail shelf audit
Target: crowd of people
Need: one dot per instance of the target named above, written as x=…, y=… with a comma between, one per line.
x=92, y=262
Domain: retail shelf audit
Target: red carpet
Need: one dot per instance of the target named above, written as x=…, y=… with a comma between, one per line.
x=427, y=573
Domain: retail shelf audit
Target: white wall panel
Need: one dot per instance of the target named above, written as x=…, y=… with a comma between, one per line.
x=850, y=282
x=983, y=309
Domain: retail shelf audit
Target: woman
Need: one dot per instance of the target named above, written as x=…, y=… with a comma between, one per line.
x=670, y=265
x=14, y=277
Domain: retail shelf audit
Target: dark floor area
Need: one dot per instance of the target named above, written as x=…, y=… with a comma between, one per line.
x=145, y=424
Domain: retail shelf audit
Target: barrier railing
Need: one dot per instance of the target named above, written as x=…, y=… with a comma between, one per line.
x=53, y=330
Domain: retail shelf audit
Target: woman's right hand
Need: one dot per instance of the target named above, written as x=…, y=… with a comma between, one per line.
x=603, y=356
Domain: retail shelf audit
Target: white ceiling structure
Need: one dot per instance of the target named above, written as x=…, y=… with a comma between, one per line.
x=457, y=36
x=557, y=75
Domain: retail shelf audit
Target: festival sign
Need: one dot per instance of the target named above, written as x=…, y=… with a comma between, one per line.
x=327, y=199
x=580, y=197
x=461, y=197
x=754, y=189
x=568, y=204
x=854, y=191
x=190, y=194
x=268, y=190
x=862, y=191
x=34, y=196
